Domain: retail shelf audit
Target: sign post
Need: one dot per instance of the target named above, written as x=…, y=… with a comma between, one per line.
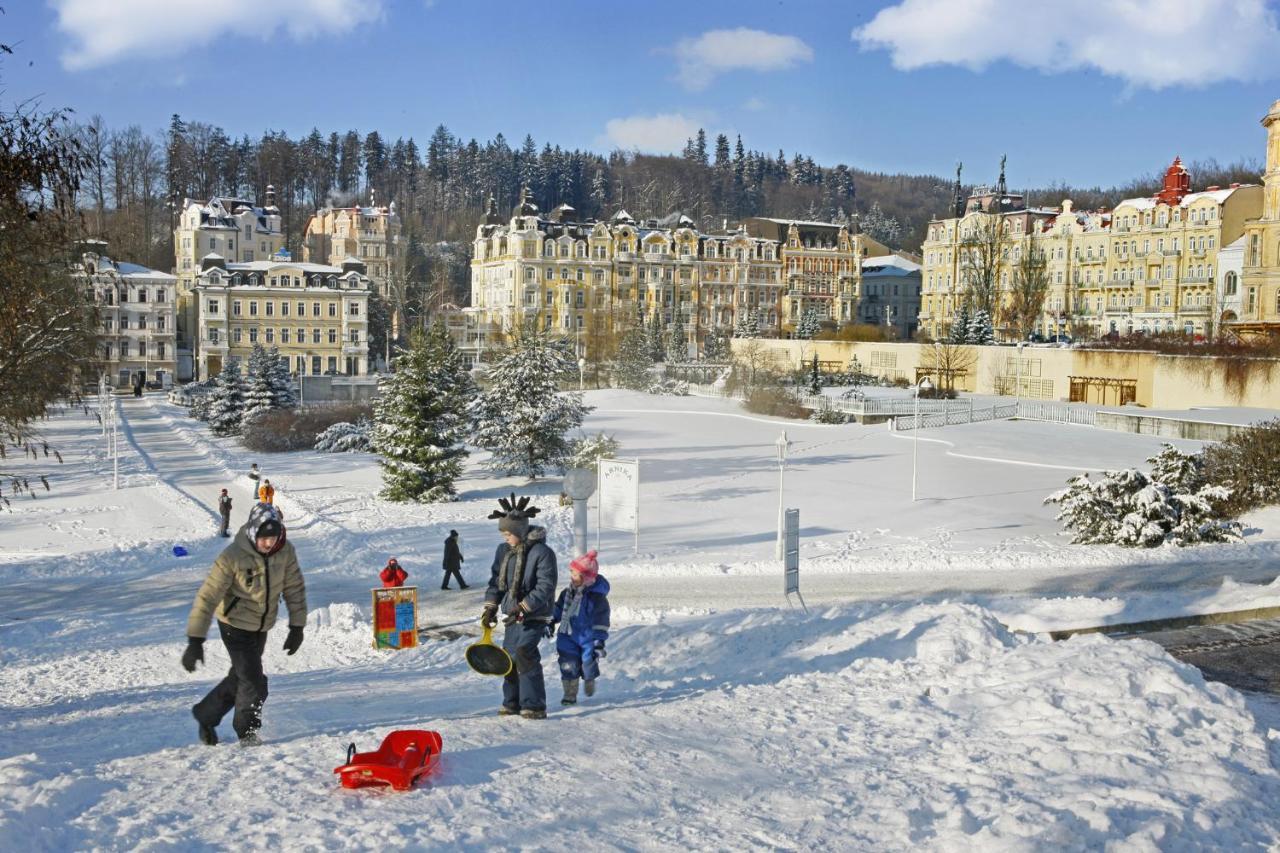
x=579, y=485
x=619, y=504
x=791, y=558
x=395, y=617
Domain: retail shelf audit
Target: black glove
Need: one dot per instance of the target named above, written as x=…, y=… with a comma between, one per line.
x=513, y=617
x=294, y=640
x=194, y=653
x=489, y=617
x=551, y=630
x=600, y=649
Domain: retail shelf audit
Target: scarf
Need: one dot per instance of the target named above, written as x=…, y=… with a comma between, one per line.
x=572, y=603
x=510, y=578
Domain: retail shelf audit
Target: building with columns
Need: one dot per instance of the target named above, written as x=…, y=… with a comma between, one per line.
x=577, y=278
x=137, y=317
x=1146, y=266
x=316, y=315
x=1260, y=278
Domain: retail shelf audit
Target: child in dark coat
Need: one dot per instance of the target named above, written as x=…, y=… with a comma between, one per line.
x=581, y=626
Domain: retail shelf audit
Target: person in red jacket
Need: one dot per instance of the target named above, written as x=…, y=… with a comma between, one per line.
x=393, y=575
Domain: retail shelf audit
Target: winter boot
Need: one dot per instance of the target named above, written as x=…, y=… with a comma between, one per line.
x=251, y=739
x=589, y=687
x=208, y=734
x=533, y=714
x=504, y=711
x=570, y=691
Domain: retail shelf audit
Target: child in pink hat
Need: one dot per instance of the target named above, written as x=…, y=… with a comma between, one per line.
x=581, y=626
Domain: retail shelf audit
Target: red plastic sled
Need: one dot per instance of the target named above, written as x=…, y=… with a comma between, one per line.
x=404, y=757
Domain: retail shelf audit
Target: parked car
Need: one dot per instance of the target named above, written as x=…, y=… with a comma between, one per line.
x=1036, y=338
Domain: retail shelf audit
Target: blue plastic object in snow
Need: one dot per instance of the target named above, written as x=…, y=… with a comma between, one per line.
x=179, y=551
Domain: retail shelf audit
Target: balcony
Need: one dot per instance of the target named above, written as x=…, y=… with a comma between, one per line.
x=1196, y=279
x=625, y=256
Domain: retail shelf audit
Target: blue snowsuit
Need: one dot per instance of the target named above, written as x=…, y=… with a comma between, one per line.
x=579, y=636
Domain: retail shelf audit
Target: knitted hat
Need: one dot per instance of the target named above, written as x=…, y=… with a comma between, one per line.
x=587, y=567
x=269, y=528
x=224, y=491
x=514, y=515
x=260, y=516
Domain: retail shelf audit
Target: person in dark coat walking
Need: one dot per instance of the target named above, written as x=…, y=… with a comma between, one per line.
x=224, y=507
x=453, y=561
x=522, y=585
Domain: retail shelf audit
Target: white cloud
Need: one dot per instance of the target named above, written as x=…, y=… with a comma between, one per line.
x=717, y=51
x=657, y=134
x=754, y=105
x=1147, y=43
x=107, y=31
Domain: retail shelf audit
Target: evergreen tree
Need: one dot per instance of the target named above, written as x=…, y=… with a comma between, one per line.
x=258, y=397
x=226, y=401
x=677, y=344
x=715, y=347
x=815, y=377
x=980, y=331
x=748, y=325
x=522, y=419
x=420, y=419
x=281, y=380
x=656, y=338
x=808, y=325
x=959, y=331
x=631, y=370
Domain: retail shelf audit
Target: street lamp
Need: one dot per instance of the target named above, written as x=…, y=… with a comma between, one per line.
x=782, y=445
x=925, y=385
x=582, y=366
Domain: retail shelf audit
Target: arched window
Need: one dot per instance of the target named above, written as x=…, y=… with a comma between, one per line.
x=1231, y=284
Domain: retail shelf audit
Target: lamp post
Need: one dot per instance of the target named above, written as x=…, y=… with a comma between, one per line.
x=582, y=367
x=924, y=385
x=1017, y=382
x=782, y=445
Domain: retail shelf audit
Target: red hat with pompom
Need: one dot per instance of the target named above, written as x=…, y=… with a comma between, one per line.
x=586, y=566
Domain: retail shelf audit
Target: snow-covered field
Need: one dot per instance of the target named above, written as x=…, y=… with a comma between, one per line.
x=899, y=713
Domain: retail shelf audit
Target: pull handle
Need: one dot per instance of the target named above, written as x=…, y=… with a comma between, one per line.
x=351, y=752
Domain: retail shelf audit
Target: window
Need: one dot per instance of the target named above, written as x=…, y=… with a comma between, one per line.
x=333, y=309
x=284, y=336
x=315, y=364
x=353, y=309
x=212, y=306
x=271, y=335
x=315, y=309
x=235, y=308
x=235, y=335
x=160, y=349
x=213, y=336
x=302, y=336
x=333, y=364
x=302, y=309
x=284, y=308
x=159, y=294
x=355, y=336
x=315, y=336
x=253, y=308
x=253, y=334
x=1231, y=283
x=271, y=309
x=333, y=336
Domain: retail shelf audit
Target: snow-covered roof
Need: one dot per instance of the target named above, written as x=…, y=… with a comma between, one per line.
x=1139, y=203
x=895, y=265
x=129, y=270
x=268, y=266
x=804, y=222
x=1218, y=196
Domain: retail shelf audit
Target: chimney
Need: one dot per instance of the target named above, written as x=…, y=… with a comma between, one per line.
x=1212, y=188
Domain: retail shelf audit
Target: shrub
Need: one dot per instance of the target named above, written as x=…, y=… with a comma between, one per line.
x=776, y=401
x=587, y=451
x=669, y=388
x=829, y=415
x=1131, y=508
x=1247, y=463
x=346, y=438
x=283, y=430
x=936, y=393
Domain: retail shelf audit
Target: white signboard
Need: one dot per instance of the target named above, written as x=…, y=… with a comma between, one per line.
x=619, y=496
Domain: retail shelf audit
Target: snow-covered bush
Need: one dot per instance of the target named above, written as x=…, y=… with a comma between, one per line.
x=346, y=438
x=587, y=451
x=829, y=415
x=1135, y=509
x=669, y=388
x=1247, y=463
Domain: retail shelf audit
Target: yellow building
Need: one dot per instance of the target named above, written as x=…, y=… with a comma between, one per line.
x=370, y=234
x=1148, y=266
x=1260, y=281
x=317, y=315
x=234, y=229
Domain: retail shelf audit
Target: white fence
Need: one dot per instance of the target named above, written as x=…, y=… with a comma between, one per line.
x=1062, y=413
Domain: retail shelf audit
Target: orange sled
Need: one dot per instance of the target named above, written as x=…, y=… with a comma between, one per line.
x=404, y=757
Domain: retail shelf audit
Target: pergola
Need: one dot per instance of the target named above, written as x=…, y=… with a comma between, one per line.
x=1126, y=390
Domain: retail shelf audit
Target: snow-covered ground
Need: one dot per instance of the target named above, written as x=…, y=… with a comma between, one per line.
x=899, y=713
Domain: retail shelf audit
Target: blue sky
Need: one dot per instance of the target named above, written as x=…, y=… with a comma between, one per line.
x=1088, y=92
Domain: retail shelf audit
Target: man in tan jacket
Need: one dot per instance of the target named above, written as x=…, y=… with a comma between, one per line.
x=243, y=590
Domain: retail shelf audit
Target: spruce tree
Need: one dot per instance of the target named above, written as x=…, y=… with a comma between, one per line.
x=808, y=325
x=980, y=331
x=420, y=419
x=631, y=370
x=815, y=377
x=656, y=339
x=522, y=418
x=677, y=346
x=715, y=347
x=959, y=331
x=281, y=381
x=258, y=397
x=226, y=402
